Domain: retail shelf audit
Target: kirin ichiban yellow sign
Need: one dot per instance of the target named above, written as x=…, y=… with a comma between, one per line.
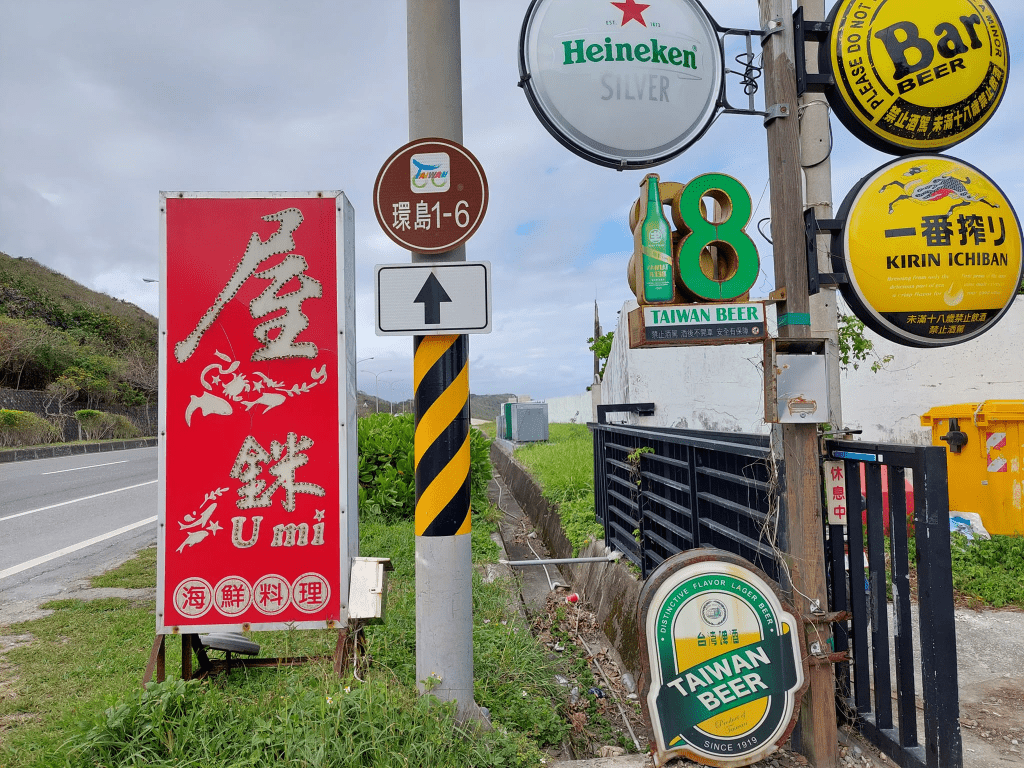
x=932, y=251
x=914, y=76
x=723, y=662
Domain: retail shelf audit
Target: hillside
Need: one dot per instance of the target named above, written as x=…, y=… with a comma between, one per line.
x=480, y=406
x=54, y=330
x=487, y=406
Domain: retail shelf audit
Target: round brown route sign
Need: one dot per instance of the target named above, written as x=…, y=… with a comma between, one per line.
x=430, y=196
x=931, y=248
x=914, y=76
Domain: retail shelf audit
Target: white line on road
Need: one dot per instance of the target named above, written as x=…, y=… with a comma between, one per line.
x=75, y=501
x=74, y=548
x=91, y=466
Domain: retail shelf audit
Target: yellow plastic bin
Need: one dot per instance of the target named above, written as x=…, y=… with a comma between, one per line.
x=984, y=447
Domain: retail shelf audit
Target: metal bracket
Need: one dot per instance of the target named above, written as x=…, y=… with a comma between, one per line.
x=812, y=226
x=748, y=76
x=772, y=27
x=815, y=31
x=775, y=111
x=641, y=409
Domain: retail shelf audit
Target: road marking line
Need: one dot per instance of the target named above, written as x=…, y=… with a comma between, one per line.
x=91, y=466
x=74, y=548
x=75, y=501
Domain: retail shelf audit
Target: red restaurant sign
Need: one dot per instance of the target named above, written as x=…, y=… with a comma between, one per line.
x=256, y=515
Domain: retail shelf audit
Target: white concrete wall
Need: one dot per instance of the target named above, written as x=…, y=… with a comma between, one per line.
x=574, y=409
x=721, y=388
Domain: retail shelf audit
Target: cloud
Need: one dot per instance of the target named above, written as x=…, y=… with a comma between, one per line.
x=108, y=102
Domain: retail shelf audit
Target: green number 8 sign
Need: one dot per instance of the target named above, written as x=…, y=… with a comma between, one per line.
x=731, y=269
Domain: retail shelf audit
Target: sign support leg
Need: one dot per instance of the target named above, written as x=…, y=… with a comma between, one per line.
x=799, y=442
x=156, y=661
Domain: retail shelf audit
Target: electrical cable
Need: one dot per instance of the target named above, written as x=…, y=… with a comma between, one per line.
x=831, y=143
x=551, y=585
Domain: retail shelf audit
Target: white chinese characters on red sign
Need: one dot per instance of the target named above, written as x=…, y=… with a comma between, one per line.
x=251, y=495
x=835, y=491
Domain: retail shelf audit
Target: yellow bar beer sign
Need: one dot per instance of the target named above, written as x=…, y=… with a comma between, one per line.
x=915, y=76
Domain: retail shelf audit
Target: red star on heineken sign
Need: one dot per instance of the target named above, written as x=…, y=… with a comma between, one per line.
x=632, y=10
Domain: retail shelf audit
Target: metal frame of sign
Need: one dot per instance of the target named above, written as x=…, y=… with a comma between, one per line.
x=345, y=433
x=484, y=305
x=856, y=123
x=848, y=285
x=657, y=155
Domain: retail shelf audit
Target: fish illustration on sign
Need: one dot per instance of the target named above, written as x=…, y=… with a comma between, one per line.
x=268, y=392
x=198, y=523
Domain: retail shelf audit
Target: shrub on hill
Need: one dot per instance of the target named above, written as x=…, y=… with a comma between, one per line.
x=52, y=328
x=97, y=425
x=22, y=428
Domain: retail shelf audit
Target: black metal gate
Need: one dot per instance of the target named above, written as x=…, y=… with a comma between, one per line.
x=865, y=686
x=662, y=491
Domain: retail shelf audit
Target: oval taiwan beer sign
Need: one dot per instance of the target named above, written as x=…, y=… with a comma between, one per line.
x=915, y=76
x=621, y=83
x=724, y=659
x=931, y=248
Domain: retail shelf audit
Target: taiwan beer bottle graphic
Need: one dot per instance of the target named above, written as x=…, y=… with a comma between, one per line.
x=656, y=247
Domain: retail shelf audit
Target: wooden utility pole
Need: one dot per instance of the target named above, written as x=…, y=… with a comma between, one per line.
x=799, y=442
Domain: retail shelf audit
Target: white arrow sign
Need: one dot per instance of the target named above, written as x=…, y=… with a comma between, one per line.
x=433, y=299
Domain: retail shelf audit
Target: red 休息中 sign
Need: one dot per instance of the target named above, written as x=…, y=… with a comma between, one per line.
x=256, y=460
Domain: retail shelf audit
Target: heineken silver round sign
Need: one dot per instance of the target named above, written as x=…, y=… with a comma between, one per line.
x=621, y=83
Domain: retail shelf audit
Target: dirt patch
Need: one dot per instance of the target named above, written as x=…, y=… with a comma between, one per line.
x=7, y=722
x=8, y=676
x=7, y=642
x=998, y=718
x=602, y=702
x=8, y=679
x=965, y=600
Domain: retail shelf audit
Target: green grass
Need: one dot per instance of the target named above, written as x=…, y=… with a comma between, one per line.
x=78, y=701
x=490, y=429
x=137, y=573
x=564, y=467
x=992, y=571
x=62, y=443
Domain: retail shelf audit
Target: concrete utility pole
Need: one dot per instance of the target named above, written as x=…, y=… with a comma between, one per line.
x=815, y=157
x=444, y=567
x=798, y=442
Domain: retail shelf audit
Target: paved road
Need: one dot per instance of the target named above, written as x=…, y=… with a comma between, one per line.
x=65, y=519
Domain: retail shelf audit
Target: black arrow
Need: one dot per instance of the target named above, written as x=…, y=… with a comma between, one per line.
x=430, y=296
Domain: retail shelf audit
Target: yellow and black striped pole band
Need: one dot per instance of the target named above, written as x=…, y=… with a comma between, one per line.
x=441, y=383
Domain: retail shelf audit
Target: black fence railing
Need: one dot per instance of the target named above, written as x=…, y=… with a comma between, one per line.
x=662, y=491
x=881, y=629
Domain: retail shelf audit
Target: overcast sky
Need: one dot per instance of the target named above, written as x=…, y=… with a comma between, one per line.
x=103, y=103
